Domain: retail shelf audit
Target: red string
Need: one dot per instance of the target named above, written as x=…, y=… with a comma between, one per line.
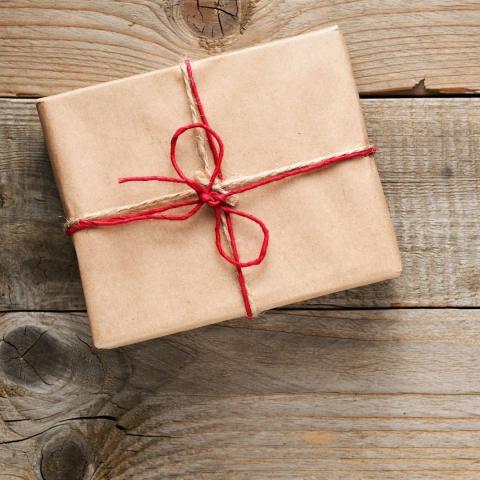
x=206, y=195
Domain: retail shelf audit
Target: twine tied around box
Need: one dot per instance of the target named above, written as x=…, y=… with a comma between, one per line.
x=217, y=193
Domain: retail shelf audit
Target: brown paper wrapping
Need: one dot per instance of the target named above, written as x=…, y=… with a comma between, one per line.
x=275, y=104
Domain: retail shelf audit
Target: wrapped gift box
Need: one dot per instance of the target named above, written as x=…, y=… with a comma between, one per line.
x=273, y=105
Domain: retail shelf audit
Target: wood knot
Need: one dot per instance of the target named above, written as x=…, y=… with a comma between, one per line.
x=64, y=458
x=447, y=171
x=215, y=23
x=30, y=356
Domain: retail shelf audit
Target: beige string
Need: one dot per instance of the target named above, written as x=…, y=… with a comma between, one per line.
x=190, y=194
x=208, y=166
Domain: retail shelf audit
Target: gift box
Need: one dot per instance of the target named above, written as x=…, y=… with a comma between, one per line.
x=276, y=108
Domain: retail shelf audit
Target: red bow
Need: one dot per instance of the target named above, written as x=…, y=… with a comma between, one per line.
x=206, y=195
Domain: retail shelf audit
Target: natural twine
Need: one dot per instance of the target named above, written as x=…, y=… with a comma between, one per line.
x=221, y=186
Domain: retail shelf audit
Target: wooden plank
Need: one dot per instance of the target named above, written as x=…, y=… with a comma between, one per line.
x=298, y=394
x=50, y=46
x=428, y=151
x=37, y=264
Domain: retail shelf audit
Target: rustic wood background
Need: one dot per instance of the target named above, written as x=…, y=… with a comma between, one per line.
x=381, y=382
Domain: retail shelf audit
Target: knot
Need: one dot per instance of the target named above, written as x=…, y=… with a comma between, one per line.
x=217, y=187
x=212, y=199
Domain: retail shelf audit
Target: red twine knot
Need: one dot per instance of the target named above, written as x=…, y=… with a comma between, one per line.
x=212, y=199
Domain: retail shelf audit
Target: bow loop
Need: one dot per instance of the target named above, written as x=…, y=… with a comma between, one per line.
x=228, y=211
x=217, y=200
x=218, y=155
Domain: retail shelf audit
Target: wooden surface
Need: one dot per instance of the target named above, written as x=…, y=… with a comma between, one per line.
x=396, y=45
x=380, y=382
x=295, y=394
x=428, y=161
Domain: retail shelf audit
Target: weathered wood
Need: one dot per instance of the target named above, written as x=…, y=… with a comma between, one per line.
x=50, y=46
x=428, y=160
x=299, y=394
x=36, y=261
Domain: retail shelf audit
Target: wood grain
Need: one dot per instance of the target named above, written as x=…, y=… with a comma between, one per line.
x=428, y=152
x=50, y=46
x=295, y=394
